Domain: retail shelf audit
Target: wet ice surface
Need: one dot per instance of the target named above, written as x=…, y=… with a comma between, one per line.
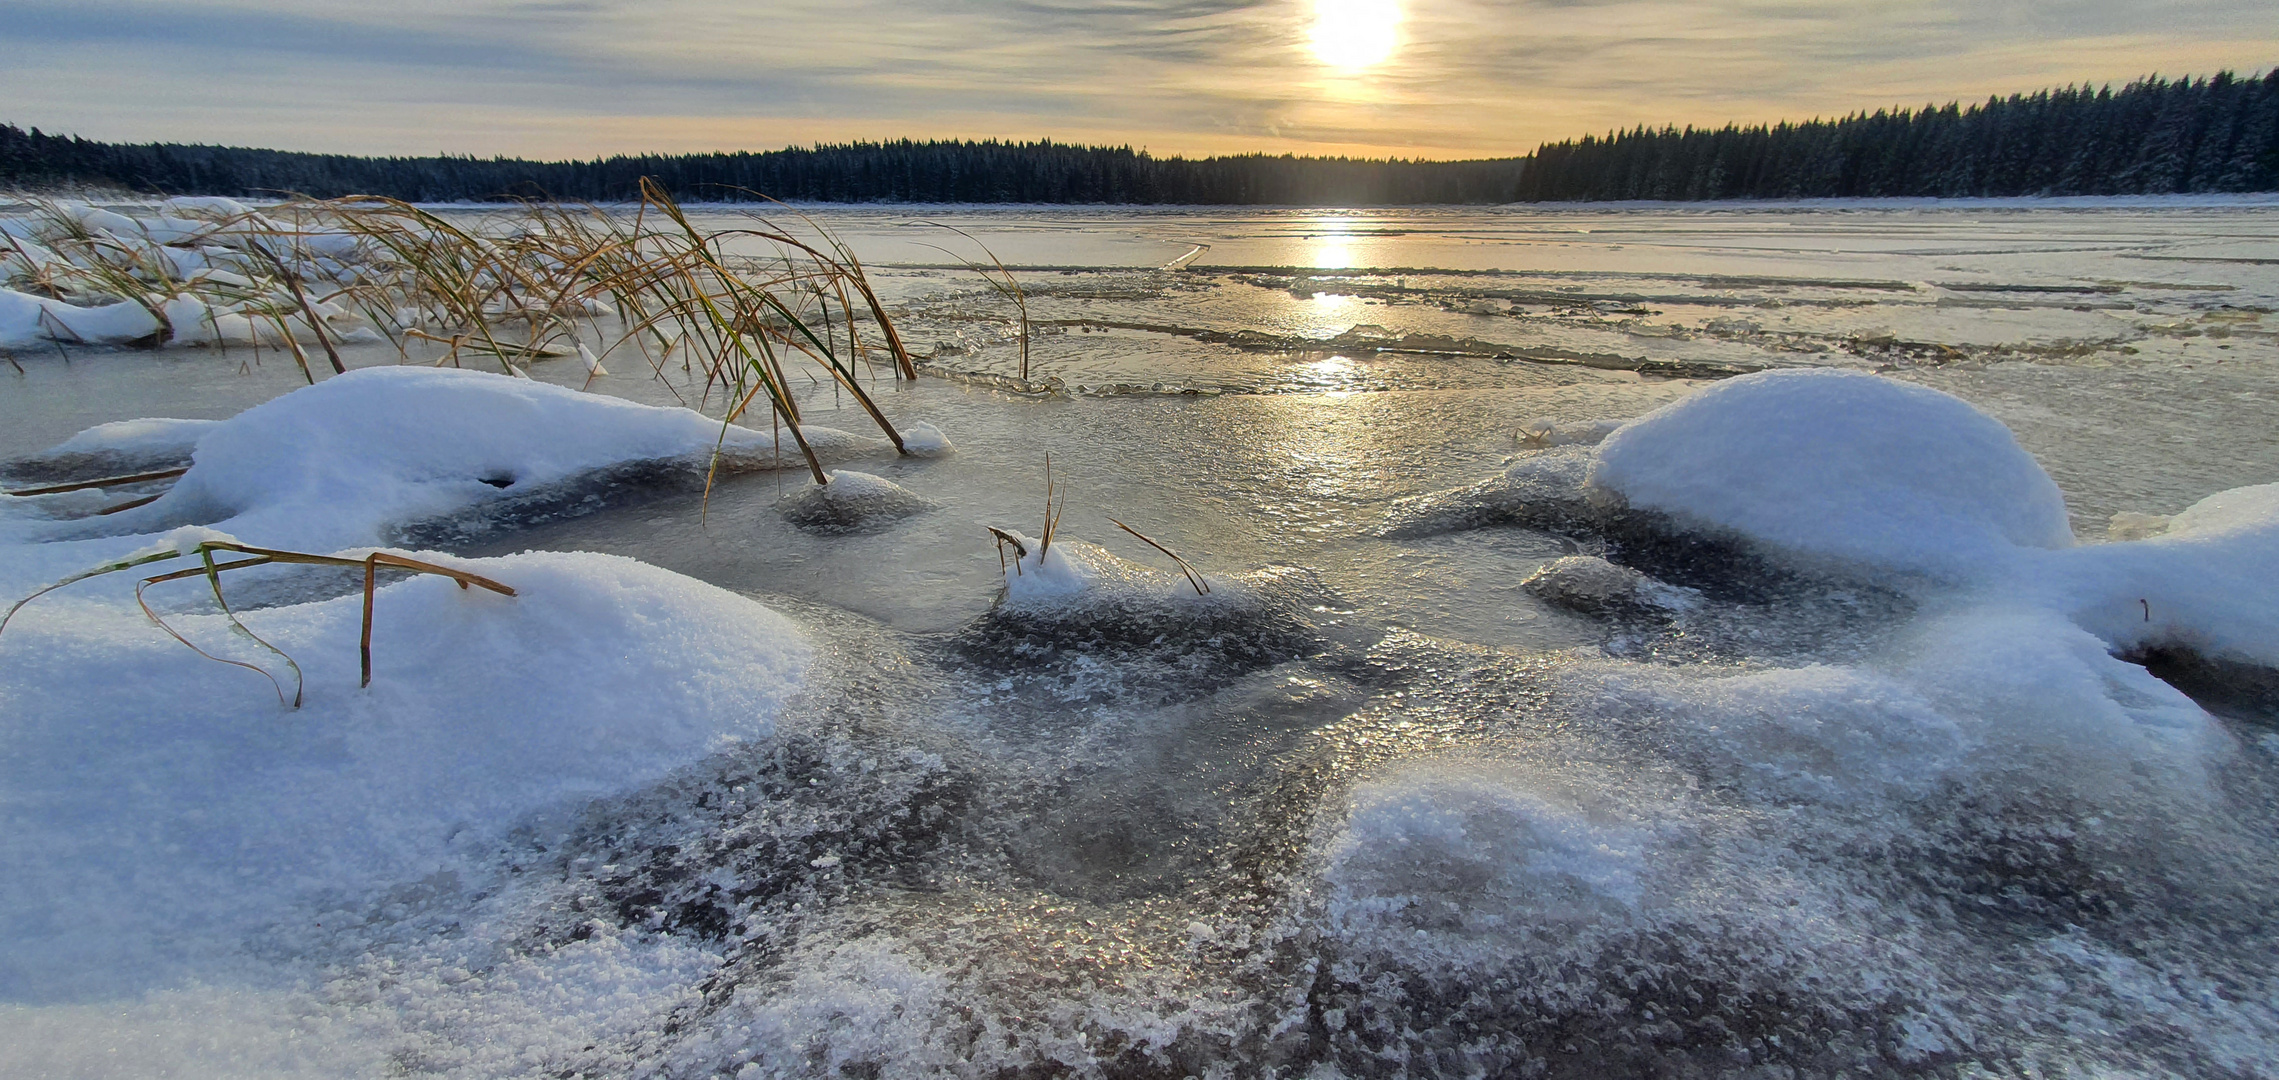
x=1381, y=804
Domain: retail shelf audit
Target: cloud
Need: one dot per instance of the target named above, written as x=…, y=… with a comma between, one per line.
x=586, y=77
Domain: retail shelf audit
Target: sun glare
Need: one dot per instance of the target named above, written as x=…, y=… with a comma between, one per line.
x=1355, y=34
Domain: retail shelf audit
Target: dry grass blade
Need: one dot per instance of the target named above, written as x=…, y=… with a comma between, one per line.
x=1052, y=514
x=847, y=269
x=211, y=570
x=300, y=296
x=1020, y=550
x=1004, y=283
x=1194, y=578
x=101, y=482
x=106, y=568
x=130, y=504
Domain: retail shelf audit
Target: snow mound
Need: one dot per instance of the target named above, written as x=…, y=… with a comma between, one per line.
x=335, y=464
x=926, y=441
x=852, y=502
x=1074, y=573
x=27, y=319
x=2033, y=686
x=1092, y=625
x=1042, y=576
x=2240, y=511
x=1842, y=466
x=159, y=806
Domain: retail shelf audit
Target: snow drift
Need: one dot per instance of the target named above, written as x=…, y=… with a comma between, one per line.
x=160, y=805
x=338, y=463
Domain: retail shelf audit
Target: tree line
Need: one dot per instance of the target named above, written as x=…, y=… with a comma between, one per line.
x=2152, y=136
x=905, y=171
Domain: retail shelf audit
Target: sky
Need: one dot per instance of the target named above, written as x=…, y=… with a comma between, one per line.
x=1377, y=78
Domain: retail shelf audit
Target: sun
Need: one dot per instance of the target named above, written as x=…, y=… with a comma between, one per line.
x=1355, y=34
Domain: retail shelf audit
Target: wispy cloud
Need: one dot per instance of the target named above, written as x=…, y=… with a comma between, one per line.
x=583, y=77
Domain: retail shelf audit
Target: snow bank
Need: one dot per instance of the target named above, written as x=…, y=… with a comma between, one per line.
x=159, y=806
x=168, y=279
x=1839, y=465
x=1875, y=474
x=335, y=464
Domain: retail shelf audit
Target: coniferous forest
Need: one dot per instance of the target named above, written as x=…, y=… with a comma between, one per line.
x=2153, y=136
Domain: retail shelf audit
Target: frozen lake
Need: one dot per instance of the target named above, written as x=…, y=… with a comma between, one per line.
x=1382, y=811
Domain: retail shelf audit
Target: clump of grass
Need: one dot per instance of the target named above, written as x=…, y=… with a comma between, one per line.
x=212, y=570
x=1051, y=526
x=1053, y=509
x=509, y=288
